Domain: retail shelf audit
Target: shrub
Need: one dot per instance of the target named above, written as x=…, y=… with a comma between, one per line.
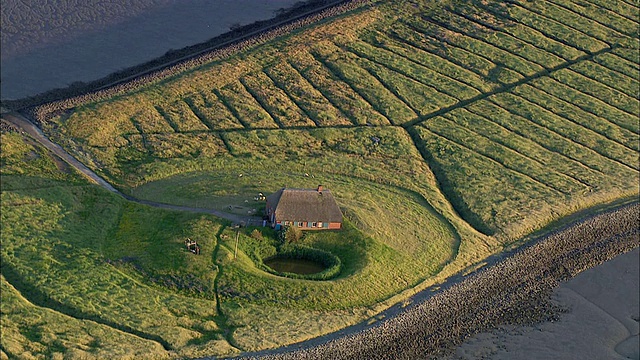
x=289, y=235
x=256, y=234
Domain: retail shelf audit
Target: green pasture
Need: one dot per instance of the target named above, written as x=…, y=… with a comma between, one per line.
x=368, y=205
x=340, y=94
x=70, y=258
x=84, y=245
x=445, y=130
x=32, y=331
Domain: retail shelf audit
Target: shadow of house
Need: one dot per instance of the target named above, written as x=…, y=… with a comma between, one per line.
x=307, y=209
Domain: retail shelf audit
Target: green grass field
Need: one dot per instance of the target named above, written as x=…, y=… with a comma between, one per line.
x=493, y=120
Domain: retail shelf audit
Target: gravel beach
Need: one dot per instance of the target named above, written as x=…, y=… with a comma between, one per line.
x=601, y=321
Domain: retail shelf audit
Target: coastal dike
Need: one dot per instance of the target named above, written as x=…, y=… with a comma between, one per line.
x=40, y=107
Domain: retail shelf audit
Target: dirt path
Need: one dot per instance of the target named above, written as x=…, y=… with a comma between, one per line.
x=27, y=126
x=32, y=130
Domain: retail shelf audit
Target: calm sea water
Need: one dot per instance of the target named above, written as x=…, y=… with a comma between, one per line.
x=296, y=266
x=61, y=51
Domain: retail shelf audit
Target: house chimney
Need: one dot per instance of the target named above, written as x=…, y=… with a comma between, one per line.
x=320, y=189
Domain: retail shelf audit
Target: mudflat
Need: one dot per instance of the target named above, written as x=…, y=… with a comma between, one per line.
x=601, y=321
x=86, y=49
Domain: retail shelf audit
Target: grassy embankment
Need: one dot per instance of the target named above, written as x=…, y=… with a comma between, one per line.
x=494, y=119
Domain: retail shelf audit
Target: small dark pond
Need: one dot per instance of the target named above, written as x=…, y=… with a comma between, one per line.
x=296, y=266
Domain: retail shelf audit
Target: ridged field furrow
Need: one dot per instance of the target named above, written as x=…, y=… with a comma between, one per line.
x=245, y=107
x=503, y=155
x=480, y=65
x=431, y=25
x=336, y=91
x=579, y=116
x=180, y=117
x=602, y=16
x=346, y=68
x=617, y=63
x=611, y=78
x=521, y=106
x=213, y=111
x=588, y=103
x=149, y=120
x=554, y=161
x=598, y=90
x=307, y=98
x=521, y=49
x=444, y=65
x=572, y=20
x=445, y=84
x=543, y=136
x=622, y=8
x=418, y=97
x=555, y=30
x=493, y=16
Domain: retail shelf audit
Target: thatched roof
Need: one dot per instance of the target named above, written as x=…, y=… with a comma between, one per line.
x=305, y=205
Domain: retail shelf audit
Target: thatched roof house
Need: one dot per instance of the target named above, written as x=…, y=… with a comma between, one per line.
x=308, y=209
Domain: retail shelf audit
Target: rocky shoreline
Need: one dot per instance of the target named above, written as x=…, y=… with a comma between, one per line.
x=515, y=291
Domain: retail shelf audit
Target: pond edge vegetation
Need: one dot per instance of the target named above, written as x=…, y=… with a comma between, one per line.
x=331, y=263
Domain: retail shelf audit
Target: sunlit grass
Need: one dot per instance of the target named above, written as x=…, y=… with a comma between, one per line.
x=364, y=104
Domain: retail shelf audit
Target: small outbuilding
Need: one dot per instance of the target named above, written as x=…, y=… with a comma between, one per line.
x=307, y=209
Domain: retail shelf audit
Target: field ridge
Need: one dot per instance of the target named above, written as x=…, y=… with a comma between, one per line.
x=508, y=87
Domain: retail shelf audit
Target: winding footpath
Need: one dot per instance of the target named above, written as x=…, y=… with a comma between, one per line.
x=32, y=130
